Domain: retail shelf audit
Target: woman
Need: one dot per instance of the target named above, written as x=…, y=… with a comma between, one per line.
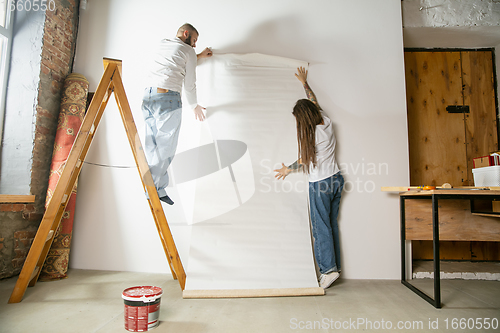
x=317, y=143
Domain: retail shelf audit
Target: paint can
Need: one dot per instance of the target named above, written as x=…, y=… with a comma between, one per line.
x=142, y=308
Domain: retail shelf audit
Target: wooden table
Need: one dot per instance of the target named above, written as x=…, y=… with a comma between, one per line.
x=436, y=195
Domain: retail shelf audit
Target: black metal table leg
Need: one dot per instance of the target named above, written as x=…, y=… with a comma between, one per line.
x=436, y=302
x=435, y=244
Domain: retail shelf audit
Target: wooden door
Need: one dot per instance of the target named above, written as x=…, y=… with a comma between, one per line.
x=443, y=144
x=481, y=133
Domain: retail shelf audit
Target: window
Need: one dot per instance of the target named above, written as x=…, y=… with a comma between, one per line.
x=6, y=23
x=3, y=12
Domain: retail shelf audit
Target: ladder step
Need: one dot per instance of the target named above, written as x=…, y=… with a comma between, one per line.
x=35, y=273
x=49, y=236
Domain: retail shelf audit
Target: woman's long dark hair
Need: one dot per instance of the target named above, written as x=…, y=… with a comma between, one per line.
x=307, y=116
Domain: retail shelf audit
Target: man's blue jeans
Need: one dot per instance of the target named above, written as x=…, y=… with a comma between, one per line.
x=324, y=199
x=162, y=114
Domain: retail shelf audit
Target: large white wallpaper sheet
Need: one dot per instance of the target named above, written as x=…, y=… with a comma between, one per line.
x=248, y=230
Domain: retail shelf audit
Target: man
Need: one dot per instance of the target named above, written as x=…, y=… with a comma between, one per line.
x=174, y=65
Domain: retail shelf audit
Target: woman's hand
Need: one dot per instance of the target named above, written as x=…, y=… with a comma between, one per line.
x=198, y=113
x=301, y=75
x=283, y=172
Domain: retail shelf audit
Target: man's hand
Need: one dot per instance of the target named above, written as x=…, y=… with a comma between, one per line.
x=198, y=113
x=206, y=53
x=302, y=75
x=283, y=172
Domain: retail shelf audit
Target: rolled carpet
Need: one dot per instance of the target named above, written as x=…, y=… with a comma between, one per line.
x=72, y=111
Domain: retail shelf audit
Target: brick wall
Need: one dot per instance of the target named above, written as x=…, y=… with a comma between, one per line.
x=17, y=230
x=19, y=222
x=58, y=49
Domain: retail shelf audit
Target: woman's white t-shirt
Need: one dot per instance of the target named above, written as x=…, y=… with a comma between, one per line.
x=326, y=164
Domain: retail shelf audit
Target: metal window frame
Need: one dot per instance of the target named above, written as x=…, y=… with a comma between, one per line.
x=7, y=33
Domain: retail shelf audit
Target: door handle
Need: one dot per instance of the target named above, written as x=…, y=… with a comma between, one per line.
x=457, y=109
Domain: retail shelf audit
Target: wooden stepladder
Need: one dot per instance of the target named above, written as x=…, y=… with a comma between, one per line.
x=111, y=81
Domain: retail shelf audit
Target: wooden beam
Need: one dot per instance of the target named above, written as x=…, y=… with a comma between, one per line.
x=7, y=198
x=457, y=188
x=397, y=188
x=253, y=293
x=108, y=61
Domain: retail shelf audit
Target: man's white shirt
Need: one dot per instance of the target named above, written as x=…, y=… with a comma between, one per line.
x=174, y=64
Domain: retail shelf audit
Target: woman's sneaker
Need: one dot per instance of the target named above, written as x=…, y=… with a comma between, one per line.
x=326, y=280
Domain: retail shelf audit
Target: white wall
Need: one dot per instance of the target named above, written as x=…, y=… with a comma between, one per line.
x=451, y=23
x=355, y=51
x=451, y=13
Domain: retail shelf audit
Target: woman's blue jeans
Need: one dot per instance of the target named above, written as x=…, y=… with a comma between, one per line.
x=162, y=115
x=324, y=199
